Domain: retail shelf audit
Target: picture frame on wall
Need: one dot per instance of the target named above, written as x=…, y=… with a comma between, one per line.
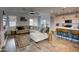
x=23, y=19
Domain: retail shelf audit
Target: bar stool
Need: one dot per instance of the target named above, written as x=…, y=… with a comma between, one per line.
x=59, y=32
x=70, y=34
x=75, y=35
x=65, y=33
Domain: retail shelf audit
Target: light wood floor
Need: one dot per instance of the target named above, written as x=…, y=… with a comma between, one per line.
x=10, y=45
x=55, y=45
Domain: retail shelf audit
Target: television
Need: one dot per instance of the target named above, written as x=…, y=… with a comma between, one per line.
x=68, y=21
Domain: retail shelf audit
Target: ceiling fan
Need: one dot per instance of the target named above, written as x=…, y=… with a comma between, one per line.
x=32, y=12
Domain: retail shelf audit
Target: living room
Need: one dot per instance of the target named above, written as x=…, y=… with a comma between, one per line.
x=39, y=29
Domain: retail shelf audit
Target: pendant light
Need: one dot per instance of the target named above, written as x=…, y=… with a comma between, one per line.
x=63, y=14
x=76, y=16
x=3, y=12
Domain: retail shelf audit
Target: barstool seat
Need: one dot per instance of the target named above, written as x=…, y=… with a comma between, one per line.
x=75, y=34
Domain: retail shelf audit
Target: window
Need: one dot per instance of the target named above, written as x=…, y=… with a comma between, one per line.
x=31, y=22
x=12, y=21
x=4, y=20
x=44, y=23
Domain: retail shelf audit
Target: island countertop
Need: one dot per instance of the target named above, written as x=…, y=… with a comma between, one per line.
x=69, y=28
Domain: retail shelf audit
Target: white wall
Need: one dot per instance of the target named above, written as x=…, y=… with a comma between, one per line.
x=22, y=23
x=2, y=30
x=18, y=22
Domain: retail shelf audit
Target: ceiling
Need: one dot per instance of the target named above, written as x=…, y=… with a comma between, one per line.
x=40, y=10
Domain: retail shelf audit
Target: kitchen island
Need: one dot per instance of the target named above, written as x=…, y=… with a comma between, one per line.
x=68, y=33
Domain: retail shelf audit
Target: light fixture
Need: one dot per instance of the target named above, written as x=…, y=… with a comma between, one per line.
x=63, y=14
x=3, y=12
x=76, y=16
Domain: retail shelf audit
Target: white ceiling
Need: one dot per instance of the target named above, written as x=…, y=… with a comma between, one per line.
x=40, y=10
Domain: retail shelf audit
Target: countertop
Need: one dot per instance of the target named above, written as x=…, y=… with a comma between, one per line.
x=69, y=28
